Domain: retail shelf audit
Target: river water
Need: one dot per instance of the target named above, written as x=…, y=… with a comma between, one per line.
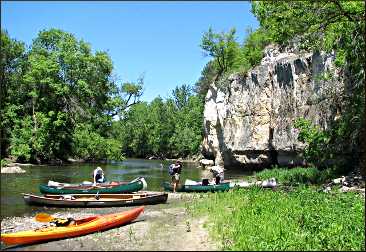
x=154, y=172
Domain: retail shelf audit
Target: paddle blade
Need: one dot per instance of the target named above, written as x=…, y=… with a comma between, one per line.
x=43, y=217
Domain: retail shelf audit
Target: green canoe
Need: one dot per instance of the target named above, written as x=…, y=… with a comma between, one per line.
x=198, y=188
x=133, y=186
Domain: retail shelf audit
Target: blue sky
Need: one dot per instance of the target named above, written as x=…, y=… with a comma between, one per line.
x=158, y=39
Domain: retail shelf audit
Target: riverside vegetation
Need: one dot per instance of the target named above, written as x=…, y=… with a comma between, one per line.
x=52, y=109
x=59, y=100
x=299, y=218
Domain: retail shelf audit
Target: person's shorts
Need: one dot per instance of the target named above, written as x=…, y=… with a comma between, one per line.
x=101, y=180
x=175, y=177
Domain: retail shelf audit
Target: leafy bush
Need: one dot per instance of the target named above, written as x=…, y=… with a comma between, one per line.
x=317, y=141
x=297, y=175
x=252, y=49
x=336, y=146
x=90, y=145
x=4, y=162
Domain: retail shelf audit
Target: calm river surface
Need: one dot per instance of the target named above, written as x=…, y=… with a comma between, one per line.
x=154, y=172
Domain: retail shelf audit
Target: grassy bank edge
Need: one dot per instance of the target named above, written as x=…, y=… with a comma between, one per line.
x=302, y=217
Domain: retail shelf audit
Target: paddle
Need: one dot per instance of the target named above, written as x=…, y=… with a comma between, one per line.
x=44, y=217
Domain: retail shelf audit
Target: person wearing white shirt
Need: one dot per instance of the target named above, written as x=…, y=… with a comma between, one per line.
x=218, y=173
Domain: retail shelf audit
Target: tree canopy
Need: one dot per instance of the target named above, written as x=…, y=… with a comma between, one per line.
x=59, y=98
x=170, y=128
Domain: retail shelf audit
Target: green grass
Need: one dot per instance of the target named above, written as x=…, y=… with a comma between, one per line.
x=297, y=175
x=303, y=219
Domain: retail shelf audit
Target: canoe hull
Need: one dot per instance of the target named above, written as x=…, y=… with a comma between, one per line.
x=86, y=226
x=198, y=188
x=122, y=188
x=89, y=200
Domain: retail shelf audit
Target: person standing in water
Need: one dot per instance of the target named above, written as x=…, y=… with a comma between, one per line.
x=175, y=171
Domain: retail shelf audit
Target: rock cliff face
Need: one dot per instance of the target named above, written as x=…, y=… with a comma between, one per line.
x=250, y=121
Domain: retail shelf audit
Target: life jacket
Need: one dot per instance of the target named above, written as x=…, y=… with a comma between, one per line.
x=171, y=170
x=60, y=222
x=98, y=177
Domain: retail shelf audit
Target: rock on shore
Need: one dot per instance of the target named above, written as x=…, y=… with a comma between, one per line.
x=12, y=169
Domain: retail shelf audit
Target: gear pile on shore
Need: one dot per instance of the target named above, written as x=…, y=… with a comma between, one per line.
x=353, y=182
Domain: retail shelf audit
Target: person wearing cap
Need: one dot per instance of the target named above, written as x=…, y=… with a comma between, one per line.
x=177, y=169
x=98, y=175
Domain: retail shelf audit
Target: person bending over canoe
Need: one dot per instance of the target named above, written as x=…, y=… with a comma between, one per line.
x=218, y=173
x=175, y=171
x=98, y=176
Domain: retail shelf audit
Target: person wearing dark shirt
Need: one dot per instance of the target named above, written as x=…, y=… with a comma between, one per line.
x=177, y=169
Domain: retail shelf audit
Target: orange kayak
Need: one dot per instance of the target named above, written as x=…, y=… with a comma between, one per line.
x=81, y=227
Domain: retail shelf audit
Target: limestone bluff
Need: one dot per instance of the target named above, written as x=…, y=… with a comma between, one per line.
x=250, y=121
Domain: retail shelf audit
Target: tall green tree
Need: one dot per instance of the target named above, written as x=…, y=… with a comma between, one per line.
x=252, y=50
x=12, y=64
x=134, y=131
x=170, y=128
x=188, y=126
x=208, y=75
x=160, y=128
x=222, y=47
x=229, y=56
x=59, y=92
x=125, y=96
x=64, y=85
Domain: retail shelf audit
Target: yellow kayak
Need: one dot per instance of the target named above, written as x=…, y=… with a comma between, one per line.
x=78, y=228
